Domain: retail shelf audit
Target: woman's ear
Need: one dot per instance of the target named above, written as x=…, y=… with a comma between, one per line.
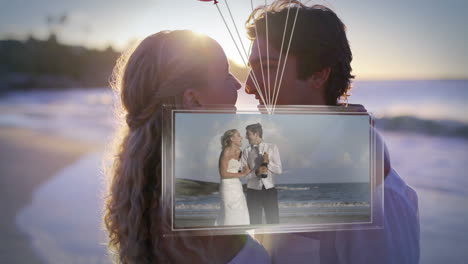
x=318, y=79
x=191, y=99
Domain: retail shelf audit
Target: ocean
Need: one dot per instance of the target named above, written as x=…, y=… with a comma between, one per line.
x=303, y=201
x=430, y=158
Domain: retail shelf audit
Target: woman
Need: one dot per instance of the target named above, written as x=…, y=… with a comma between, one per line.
x=234, y=209
x=170, y=67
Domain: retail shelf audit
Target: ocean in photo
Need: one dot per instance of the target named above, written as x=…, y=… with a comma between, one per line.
x=298, y=204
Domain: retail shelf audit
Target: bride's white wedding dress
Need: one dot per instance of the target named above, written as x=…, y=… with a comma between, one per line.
x=234, y=209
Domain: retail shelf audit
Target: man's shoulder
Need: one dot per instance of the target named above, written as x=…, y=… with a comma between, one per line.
x=394, y=181
x=395, y=186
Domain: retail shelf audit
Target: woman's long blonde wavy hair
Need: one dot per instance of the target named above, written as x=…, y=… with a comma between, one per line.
x=226, y=138
x=156, y=72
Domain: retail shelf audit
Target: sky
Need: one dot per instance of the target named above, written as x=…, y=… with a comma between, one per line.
x=421, y=39
x=313, y=148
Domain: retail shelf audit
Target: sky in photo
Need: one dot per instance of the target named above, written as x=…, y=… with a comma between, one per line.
x=313, y=148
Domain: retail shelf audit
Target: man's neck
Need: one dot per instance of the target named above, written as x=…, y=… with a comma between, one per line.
x=257, y=142
x=316, y=96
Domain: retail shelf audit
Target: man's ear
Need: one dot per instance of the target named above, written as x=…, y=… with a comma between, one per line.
x=191, y=99
x=318, y=79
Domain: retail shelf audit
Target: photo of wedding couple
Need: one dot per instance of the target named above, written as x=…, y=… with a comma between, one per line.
x=257, y=163
x=267, y=170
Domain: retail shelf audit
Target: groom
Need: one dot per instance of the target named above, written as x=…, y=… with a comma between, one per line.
x=318, y=72
x=261, y=191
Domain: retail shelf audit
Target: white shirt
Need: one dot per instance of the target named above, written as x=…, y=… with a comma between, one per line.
x=251, y=253
x=397, y=242
x=274, y=166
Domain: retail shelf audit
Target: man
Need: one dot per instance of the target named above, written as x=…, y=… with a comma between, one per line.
x=261, y=191
x=318, y=72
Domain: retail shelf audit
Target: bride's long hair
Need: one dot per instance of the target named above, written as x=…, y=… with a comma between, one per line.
x=156, y=72
x=226, y=138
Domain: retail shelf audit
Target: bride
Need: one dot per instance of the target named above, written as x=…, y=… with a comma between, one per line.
x=234, y=209
x=177, y=68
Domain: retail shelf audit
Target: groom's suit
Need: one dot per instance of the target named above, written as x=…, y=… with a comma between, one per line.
x=261, y=192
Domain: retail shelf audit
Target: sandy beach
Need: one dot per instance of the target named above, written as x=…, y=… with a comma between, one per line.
x=28, y=159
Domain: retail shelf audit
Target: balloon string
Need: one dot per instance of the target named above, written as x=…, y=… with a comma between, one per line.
x=286, y=56
x=233, y=39
x=235, y=27
x=252, y=73
x=250, y=47
x=275, y=88
x=259, y=54
x=268, y=55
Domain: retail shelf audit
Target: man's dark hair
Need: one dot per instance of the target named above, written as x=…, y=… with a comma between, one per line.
x=319, y=41
x=255, y=128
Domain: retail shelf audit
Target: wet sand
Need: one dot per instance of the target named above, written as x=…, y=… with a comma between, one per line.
x=28, y=158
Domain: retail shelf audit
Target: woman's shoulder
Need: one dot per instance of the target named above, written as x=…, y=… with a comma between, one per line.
x=230, y=154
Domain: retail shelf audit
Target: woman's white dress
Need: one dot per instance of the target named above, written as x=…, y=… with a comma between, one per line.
x=233, y=209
